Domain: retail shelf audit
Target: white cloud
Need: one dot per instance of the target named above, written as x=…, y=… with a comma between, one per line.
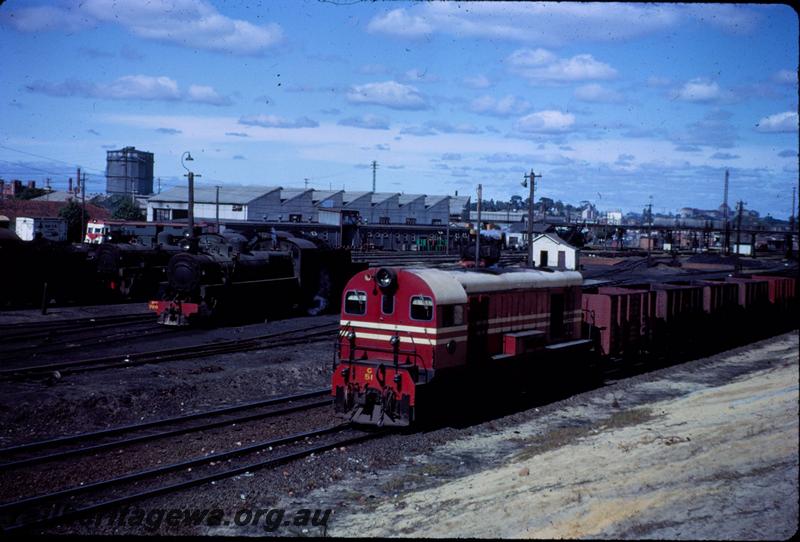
x=504, y=107
x=785, y=77
x=132, y=87
x=388, y=94
x=699, y=90
x=139, y=87
x=370, y=122
x=189, y=23
x=541, y=66
x=549, y=121
x=207, y=95
x=780, y=122
x=547, y=23
x=479, y=81
x=399, y=23
x=598, y=94
x=274, y=121
x=531, y=57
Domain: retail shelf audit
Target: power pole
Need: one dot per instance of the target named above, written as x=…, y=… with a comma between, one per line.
x=83, y=226
x=374, y=169
x=217, y=210
x=740, y=210
x=789, y=238
x=726, y=247
x=532, y=177
x=478, y=230
x=83, y=207
x=649, y=229
x=190, y=214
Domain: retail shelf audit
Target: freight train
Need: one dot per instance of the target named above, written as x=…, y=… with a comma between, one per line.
x=229, y=277
x=407, y=332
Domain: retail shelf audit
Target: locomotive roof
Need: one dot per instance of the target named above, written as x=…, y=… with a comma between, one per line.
x=454, y=286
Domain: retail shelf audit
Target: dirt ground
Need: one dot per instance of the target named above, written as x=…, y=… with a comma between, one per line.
x=702, y=452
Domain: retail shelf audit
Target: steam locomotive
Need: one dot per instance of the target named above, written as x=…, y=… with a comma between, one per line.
x=230, y=277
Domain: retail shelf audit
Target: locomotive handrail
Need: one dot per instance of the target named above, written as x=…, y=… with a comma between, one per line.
x=416, y=355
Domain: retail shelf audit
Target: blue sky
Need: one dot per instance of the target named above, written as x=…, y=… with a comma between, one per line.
x=611, y=103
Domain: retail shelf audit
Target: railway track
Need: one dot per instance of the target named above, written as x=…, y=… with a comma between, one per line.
x=37, y=511
x=270, y=340
x=85, y=339
x=23, y=331
x=17, y=456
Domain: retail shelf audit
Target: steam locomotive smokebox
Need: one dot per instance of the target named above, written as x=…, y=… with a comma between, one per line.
x=107, y=257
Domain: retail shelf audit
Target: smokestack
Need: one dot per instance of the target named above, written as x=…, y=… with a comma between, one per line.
x=69, y=185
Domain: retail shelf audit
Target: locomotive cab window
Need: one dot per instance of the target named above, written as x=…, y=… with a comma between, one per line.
x=355, y=302
x=452, y=315
x=421, y=308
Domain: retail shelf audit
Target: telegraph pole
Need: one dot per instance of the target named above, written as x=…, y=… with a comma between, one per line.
x=649, y=229
x=739, y=227
x=727, y=242
x=83, y=207
x=190, y=175
x=217, y=210
x=790, y=237
x=532, y=178
x=478, y=230
x=374, y=170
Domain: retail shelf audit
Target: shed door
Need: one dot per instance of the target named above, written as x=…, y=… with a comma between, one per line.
x=543, y=258
x=562, y=259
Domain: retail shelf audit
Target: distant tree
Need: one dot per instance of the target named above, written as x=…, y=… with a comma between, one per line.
x=125, y=209
x=516, y=202
x=72, y=212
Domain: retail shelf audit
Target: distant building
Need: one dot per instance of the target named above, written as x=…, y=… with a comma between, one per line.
x=589, y=213
x=305, y=205
x=129, y=171
x=259, y=203
x=614, y=217
x=550, y=250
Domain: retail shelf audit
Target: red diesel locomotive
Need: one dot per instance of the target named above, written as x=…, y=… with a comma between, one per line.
x=405, y=329
x=405, y=332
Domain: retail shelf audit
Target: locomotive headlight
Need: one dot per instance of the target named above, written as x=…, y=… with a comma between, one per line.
x=386, y=278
